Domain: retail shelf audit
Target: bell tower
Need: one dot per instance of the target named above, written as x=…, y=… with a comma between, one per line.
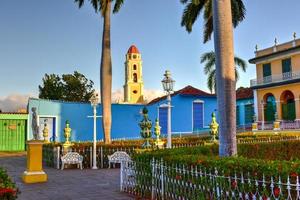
x=134, y=86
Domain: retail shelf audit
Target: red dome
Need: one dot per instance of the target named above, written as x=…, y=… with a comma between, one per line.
x=133, y=49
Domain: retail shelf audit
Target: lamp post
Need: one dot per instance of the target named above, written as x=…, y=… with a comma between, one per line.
x=168, y=84
x=94, y=102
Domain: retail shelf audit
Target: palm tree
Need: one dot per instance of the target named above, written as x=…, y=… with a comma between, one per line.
x=209, y=58
x=104, y=7
x=225, y=73
x=195, y=7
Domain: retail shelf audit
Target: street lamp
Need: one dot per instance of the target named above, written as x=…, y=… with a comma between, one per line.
x=168, y=84
x=94, y=102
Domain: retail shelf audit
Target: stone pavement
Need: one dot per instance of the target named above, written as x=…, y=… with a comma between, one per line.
x=68, y=184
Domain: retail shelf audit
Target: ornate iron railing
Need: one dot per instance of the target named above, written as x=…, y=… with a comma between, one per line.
x=158, y=180
x=275, y=78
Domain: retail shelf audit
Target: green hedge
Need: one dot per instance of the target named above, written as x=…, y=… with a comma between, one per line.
x=8, y=190
x=270, y=159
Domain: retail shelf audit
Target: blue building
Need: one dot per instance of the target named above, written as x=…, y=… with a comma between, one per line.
x=244, y=107
x=191, y=113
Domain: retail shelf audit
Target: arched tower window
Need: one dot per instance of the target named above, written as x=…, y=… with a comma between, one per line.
x=134, y=67
x=134, y=77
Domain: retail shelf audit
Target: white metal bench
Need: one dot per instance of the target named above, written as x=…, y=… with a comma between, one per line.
x=71, y=158
x=118, y=157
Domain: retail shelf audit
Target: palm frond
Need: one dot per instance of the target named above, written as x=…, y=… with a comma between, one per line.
x=191, y=13
x=238, y=12
x=118, y=5
x=237, y=75
x=210, y=60
x=211, y=81
x=80, y=3
x=240, y=63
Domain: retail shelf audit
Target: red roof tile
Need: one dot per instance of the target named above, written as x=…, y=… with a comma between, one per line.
x=188, y=90
x=244, y=93
x=133, y=49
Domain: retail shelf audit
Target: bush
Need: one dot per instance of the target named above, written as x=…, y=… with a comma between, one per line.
x=8, y=190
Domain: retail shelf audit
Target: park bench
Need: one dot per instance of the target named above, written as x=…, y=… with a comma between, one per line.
x=118, y=157
x=71, y=158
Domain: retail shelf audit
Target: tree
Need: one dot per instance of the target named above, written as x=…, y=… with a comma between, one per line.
x=209, y=58
x=77, y=87
x=104, y=7
x=71, y=87
x=225, y=73
x=195, y=7
x=52, y=88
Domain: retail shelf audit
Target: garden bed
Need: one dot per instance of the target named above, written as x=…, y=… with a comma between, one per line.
x=263, y=170
x=8, y=190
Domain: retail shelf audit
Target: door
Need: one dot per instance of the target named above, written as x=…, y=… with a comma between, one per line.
x=163, y=119
x=12, y=134
x=267, y=73
x=51, y=125
x=286, y=68
x=197, y=116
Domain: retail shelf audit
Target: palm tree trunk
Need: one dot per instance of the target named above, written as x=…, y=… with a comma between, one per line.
x=223, y=40
x=106, y=75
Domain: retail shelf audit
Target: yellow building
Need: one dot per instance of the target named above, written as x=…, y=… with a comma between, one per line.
x=134, y=86
x=277, y=85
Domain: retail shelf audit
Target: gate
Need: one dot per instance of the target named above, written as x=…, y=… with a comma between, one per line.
x=13, y=129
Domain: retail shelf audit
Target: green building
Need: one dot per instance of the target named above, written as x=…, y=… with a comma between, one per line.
x=13, y=131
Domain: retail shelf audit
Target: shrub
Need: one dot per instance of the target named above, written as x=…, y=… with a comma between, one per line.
x=8, y=190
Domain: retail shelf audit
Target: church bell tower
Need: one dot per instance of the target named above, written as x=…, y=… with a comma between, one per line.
x=134, y=86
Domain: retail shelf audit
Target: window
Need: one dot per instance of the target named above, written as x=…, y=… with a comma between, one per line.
x=286, y=68
x=134, y=67
x=267, y=73
x=134, y=77
x=134, y=56
x=134, y=91
x=197, y=115
x=163, y=119
x=249, y=112
x=237, y=115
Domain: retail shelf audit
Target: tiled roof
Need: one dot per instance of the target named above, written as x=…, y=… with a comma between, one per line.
x=188, y=90
x=244, y=93
x=133, y=49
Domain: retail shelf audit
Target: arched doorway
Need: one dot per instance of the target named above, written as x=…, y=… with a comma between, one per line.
x=288, y=110
x=269, y=107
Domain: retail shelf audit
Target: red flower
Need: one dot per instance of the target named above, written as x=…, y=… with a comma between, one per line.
x=293, y=174
x=233, y=184
x=276, y=191
x=265, y=197
x=178, y=177
x=4, y=191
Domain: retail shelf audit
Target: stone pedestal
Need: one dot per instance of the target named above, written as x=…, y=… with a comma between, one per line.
x=34, y=172
x=276, y=126
x=254, y=126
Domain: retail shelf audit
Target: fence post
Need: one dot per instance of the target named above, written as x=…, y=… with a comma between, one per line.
x=121, y=176
x=91, y=157
x=153, y=178
x=162, y=178
x=101, y=156
x=58, y=157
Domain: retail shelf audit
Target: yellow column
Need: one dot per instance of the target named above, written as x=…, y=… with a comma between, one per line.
x=278, y=109
x=34, y=172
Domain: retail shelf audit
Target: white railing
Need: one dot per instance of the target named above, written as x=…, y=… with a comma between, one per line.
x=162, y=181
x=275, y=78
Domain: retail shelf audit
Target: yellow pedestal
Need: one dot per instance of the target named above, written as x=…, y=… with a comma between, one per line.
x=34, y=172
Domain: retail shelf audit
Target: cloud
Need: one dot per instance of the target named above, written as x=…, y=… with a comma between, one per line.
x=118, y=95
x=13, y=102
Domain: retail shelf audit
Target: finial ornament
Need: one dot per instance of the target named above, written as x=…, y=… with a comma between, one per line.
x=256, y=47
x=275, y=41
x=295, y=35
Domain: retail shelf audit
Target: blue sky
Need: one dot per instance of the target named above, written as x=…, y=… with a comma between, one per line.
x=38, y=37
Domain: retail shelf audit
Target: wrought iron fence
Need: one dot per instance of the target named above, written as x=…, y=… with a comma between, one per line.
x=158, y=180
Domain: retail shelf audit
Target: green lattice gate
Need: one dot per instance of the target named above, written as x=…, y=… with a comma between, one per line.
x=288, y=111
x=13, y=131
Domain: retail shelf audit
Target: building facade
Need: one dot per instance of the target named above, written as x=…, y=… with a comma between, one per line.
x=277, y=85
x=134, y=85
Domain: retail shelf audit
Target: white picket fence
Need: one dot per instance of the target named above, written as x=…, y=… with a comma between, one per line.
x=157, y=180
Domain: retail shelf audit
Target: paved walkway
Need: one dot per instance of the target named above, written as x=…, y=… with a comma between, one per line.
x=68, y=184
